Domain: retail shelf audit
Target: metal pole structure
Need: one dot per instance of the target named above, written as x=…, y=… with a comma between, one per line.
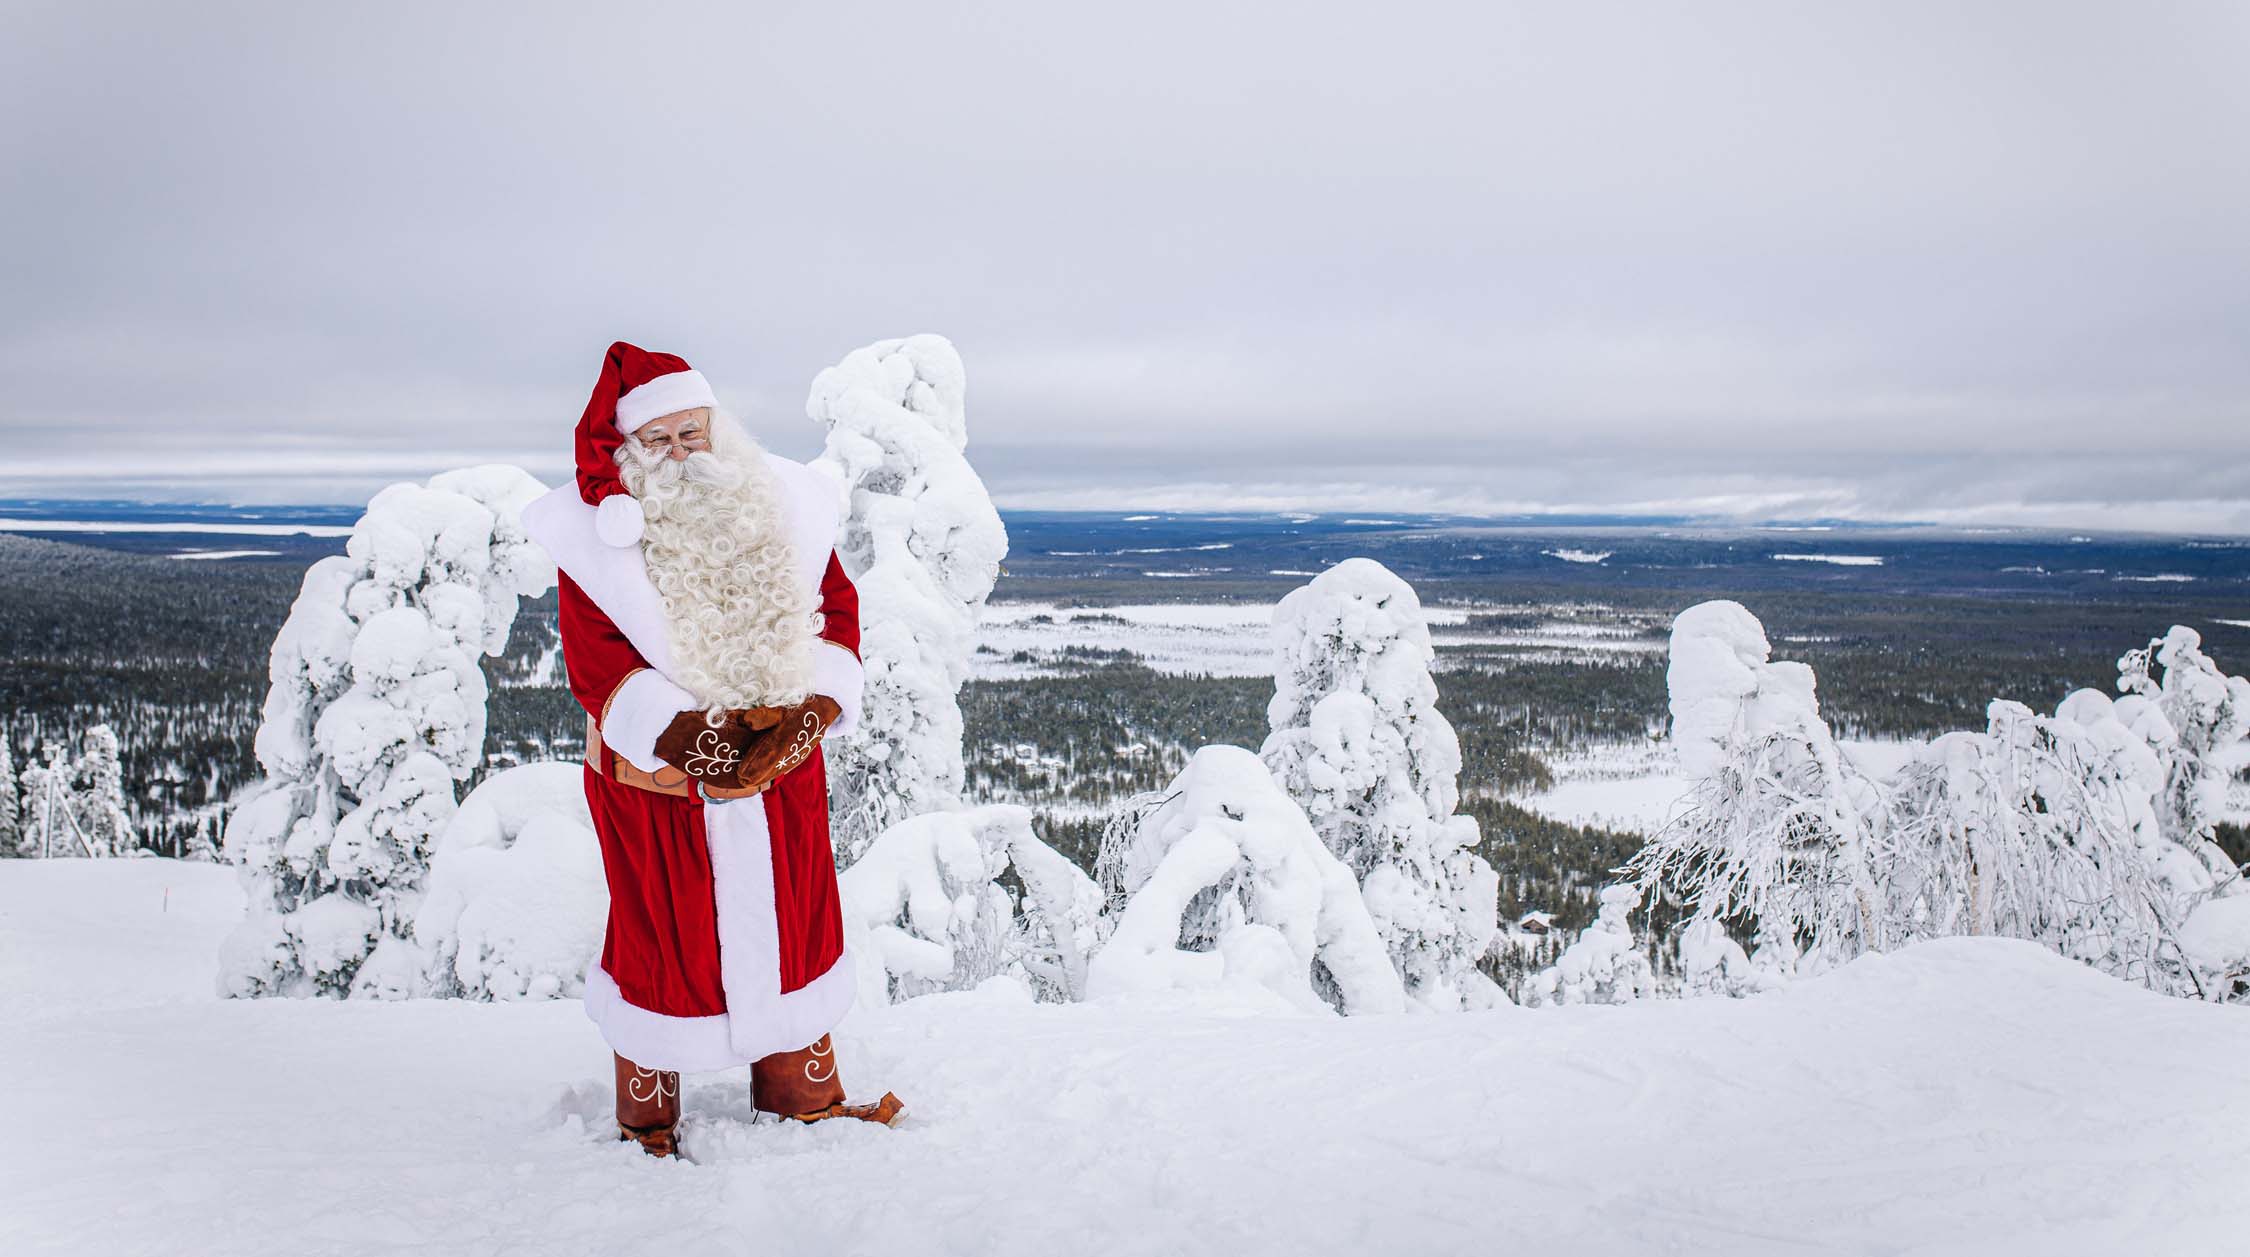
x=54, y=801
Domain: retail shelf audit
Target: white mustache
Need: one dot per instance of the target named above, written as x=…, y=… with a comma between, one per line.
x=700, y=468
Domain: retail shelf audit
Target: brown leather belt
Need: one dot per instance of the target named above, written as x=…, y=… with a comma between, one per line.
x=665, y=780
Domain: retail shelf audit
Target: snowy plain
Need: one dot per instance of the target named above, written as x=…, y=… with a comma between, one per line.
x=1637, y=787
x=1967, y=1097
x=1019, y=639
x=1213, y=638
x=172, y=526
x=1840, y=560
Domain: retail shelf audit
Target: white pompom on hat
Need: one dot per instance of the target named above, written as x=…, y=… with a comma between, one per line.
x=619, y=520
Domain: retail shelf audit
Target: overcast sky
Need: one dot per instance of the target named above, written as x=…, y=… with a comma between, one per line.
x=1955, y=262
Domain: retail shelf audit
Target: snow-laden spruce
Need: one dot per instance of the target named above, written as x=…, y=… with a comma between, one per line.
x=376, y=707
x=1712, y=963
x=1776, y=831
x=515, y=901
x=1603, y=965
x=99, y=803
x=1225, y=883
x=2196, y=719
x=1358, y=742
x=2205, y=715
x=925, y=910
x=923, y=544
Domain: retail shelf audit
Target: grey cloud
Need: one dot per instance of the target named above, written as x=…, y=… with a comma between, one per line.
x=1883, y=261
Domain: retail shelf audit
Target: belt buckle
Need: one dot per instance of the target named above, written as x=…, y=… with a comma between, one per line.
x=703, y=792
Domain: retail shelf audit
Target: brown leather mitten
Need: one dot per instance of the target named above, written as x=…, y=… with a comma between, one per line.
x=710, y=754
x=797, y=729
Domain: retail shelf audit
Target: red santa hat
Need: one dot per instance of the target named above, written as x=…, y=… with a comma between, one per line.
x=635, y=387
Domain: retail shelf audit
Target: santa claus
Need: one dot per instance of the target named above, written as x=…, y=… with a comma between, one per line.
x=713, y=638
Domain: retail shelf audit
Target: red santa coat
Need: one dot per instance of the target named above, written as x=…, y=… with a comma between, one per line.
x=725, y=939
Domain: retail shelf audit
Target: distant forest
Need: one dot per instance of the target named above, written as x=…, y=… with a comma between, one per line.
x=172, y=655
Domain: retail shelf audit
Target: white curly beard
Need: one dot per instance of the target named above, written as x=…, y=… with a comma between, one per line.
x=739, y=621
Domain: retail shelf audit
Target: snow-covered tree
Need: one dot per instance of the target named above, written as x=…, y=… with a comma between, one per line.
x=203, y=840
x=2127, y=743
x=1777, y=828
x=1604, y=965
x=923, y=544
x=1225, y=882
x=376, y=708
x=1358, y=742
x=1773, y=956
x=2206, y=715
x=11, y=815
x=926, y=899
x=2043, y=828
x=926, y=908
x=2216, y=940
x=1060, y=921
x=515, y=900
x=98, y=803
x=1712, y=963
x=2076, y=831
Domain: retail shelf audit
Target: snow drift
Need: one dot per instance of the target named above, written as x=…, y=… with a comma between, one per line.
x=1970, y=1096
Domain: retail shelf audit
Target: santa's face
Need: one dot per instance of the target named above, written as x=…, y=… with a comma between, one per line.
x=676, y=435
x=670, y=458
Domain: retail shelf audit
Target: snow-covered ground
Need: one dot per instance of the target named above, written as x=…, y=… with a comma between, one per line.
x=1216, y=638
x=1636, y=804
x=1235, y=638
x=1840, y=560
x=225, y=554
x=1969, y=1097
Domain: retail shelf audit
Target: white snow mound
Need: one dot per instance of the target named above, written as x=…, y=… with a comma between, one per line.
x=1969, y=1096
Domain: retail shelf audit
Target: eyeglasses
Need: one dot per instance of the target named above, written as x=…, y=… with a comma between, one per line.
x=691, y=436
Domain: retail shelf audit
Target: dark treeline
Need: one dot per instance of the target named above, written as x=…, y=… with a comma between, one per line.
x=170, y=654
x=173, y=656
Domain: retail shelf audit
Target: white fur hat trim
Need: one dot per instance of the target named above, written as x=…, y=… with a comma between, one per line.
x=662, y=395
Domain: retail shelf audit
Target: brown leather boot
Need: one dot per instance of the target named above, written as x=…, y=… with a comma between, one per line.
x=884, y=1110
x=802, y=1085
x=648, y=1107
